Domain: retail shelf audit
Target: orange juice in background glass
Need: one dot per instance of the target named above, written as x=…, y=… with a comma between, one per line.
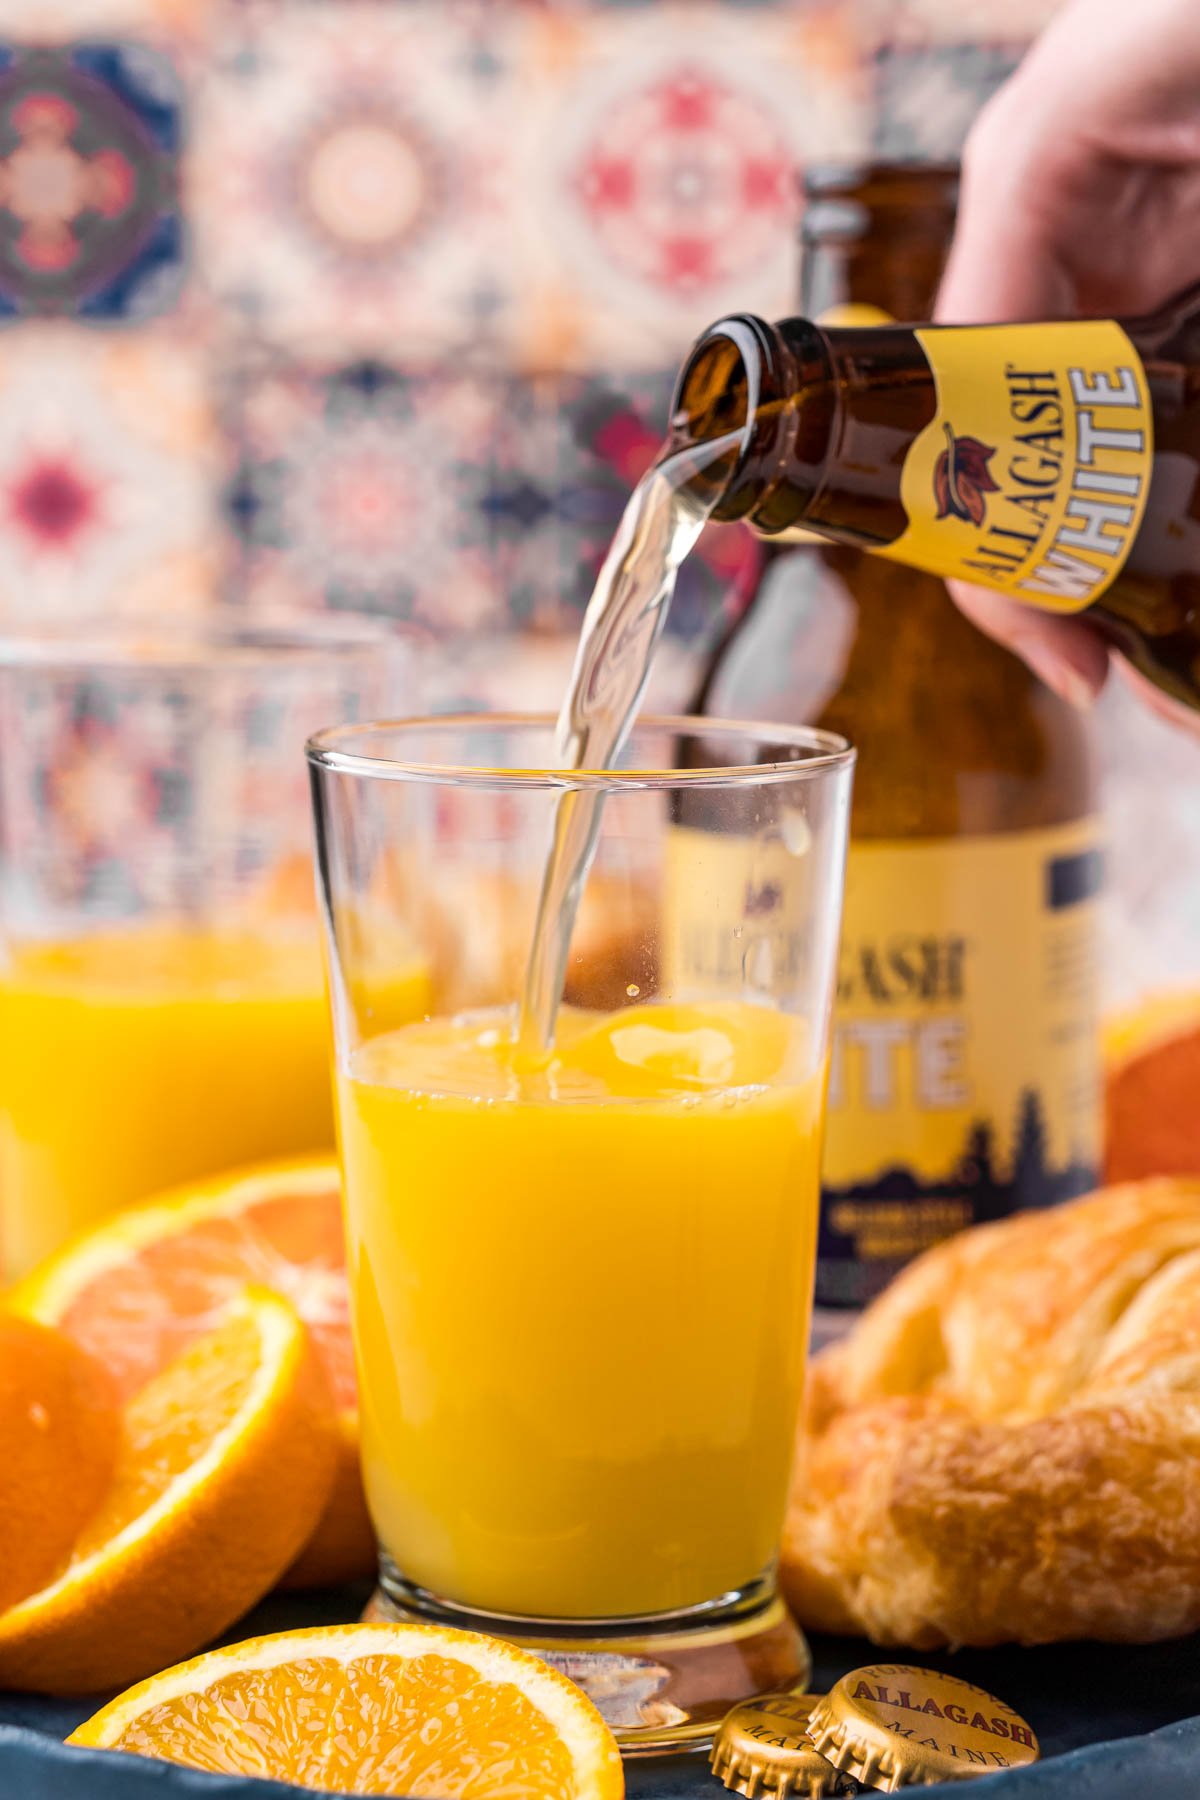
x=162, y=1009
x=580, y=1291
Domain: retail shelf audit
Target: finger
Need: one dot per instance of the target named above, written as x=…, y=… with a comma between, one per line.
x=1067, y=655
x=1004, y=262
x=1009, y=273
x=1173, y=711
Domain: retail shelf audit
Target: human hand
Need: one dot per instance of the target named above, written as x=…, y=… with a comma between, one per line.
x=1081, y=195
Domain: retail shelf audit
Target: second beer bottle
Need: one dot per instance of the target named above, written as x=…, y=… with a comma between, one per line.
x=964, y=1082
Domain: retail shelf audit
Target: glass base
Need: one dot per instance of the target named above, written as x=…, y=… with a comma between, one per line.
x=663, y=1682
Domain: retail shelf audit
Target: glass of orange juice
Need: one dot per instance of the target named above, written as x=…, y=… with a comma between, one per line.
x=162, y=1009
x=580, y=1279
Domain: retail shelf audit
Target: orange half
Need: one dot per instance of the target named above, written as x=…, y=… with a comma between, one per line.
x=223, y=1468
x=141, y=1286
x=1152, y=1071
x=59, y=1434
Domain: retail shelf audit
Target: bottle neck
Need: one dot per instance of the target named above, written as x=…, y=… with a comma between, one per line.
x=878, y=397
x=874, y=240
x=825, y=415
x=891, y=274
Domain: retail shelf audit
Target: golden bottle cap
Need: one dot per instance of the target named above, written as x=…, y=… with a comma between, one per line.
x=763, y=1748
x=896, y=1727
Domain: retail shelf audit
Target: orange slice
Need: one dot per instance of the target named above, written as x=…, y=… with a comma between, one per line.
x=58, y=1444
x=137, y=1289
x=224, y=1467
x=1152, y=1068
x=373, y=1709
x=1155, y=1019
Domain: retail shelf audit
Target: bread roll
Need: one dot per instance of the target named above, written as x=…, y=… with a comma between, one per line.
x=1007, y=1447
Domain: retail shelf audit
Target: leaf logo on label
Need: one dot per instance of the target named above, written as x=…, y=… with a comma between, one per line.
x=961, y=478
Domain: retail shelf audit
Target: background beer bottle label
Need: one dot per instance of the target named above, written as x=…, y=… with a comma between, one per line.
x=963, y=1081
x=964, y=1078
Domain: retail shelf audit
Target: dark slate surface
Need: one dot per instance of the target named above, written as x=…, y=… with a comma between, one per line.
x=1078, y=1699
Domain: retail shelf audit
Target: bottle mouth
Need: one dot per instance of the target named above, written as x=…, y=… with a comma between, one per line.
x=724, y=409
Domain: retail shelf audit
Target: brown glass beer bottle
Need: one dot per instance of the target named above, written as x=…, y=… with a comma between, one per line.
x=963, y=1080
x=1056, y=462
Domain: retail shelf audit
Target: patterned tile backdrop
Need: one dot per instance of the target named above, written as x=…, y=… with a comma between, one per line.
x=374, y=304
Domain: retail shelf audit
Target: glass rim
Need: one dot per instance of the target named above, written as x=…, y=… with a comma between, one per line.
x=331, y=751
x=212, y=639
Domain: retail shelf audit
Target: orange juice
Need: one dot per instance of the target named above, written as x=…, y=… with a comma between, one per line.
x=132, y=1059
x=580, y=1301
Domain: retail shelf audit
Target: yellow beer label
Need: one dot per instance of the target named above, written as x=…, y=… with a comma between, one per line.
x=737, y=912
x=964, y=1079
x=1034, y=473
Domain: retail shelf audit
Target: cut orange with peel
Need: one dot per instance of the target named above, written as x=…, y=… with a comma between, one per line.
x=58, y=1446
x=1152, y=1069
x=223, y=1469
x=138, y=1288
x=373, y=1709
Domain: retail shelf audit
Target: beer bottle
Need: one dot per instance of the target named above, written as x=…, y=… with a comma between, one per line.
x=963, y=1080
x=1056, y=462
